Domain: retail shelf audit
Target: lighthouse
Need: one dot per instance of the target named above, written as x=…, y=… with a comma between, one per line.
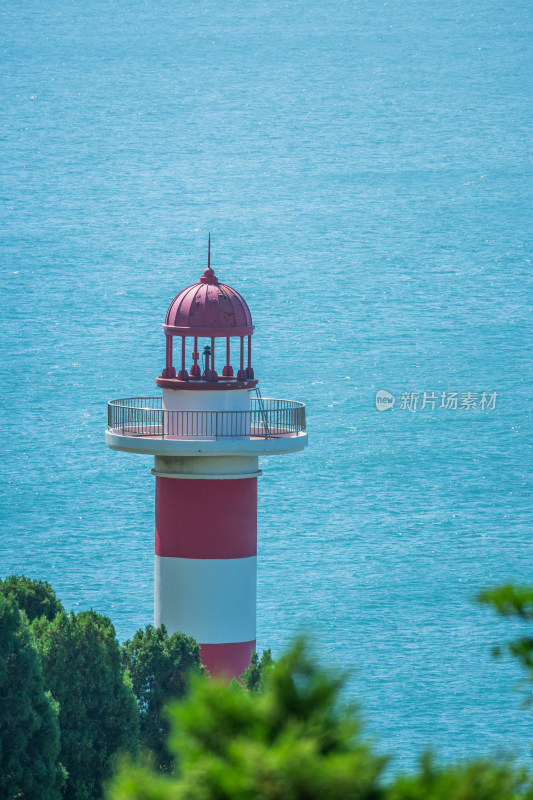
x=206, y=431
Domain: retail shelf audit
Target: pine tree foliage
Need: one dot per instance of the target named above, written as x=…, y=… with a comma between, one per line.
x=476, y=780
x=253, y=676
x=159, y=667
x=292, y=740
x=36, y=598
x=29, y=731
x=514, y=601
x=98, y=715
x=295, y=740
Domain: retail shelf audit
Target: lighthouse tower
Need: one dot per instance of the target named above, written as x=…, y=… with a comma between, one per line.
x=206, y=432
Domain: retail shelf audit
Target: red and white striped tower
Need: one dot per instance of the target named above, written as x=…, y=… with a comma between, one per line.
x=206, y=433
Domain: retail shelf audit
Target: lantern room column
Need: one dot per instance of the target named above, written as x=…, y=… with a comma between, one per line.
x=228, y=369
x=169, y=372
x=195, y=369
x=249, y=370
x=183, y=375
x=241, y=375
x=213, y=376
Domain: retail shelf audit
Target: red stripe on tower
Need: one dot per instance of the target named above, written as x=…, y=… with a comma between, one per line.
x=206, y=518
x=227, y=660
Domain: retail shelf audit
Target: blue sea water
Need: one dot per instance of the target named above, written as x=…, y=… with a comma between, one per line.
x=364, y=168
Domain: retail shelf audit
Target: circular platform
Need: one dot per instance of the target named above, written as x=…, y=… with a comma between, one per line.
x=174, y=445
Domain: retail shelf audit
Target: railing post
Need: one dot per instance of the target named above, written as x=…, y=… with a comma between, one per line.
x=216, y=424
x=162, y=423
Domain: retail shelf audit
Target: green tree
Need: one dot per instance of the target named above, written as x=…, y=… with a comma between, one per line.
x=292, y=740
x=295, y=740
x=29, y=731
x=253, y=676
x=98, y=715
x=159, y=667
x=514, y=601
x=36, y=598
x=477, y=780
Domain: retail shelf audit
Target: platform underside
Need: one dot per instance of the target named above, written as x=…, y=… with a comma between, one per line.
x=156, y=443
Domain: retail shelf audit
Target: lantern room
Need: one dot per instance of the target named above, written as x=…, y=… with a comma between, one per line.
x=208, y=315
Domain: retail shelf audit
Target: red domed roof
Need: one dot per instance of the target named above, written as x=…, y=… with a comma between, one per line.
x=209, y=308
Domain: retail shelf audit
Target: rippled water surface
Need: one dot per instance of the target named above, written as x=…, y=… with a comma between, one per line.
x=364, y=169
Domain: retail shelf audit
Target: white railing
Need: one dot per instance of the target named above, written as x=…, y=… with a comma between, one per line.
x=144, y=416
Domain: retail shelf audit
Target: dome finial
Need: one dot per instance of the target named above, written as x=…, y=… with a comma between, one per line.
x=208, y=276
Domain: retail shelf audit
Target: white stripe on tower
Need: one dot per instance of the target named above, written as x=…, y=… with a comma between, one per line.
x=208, y=598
